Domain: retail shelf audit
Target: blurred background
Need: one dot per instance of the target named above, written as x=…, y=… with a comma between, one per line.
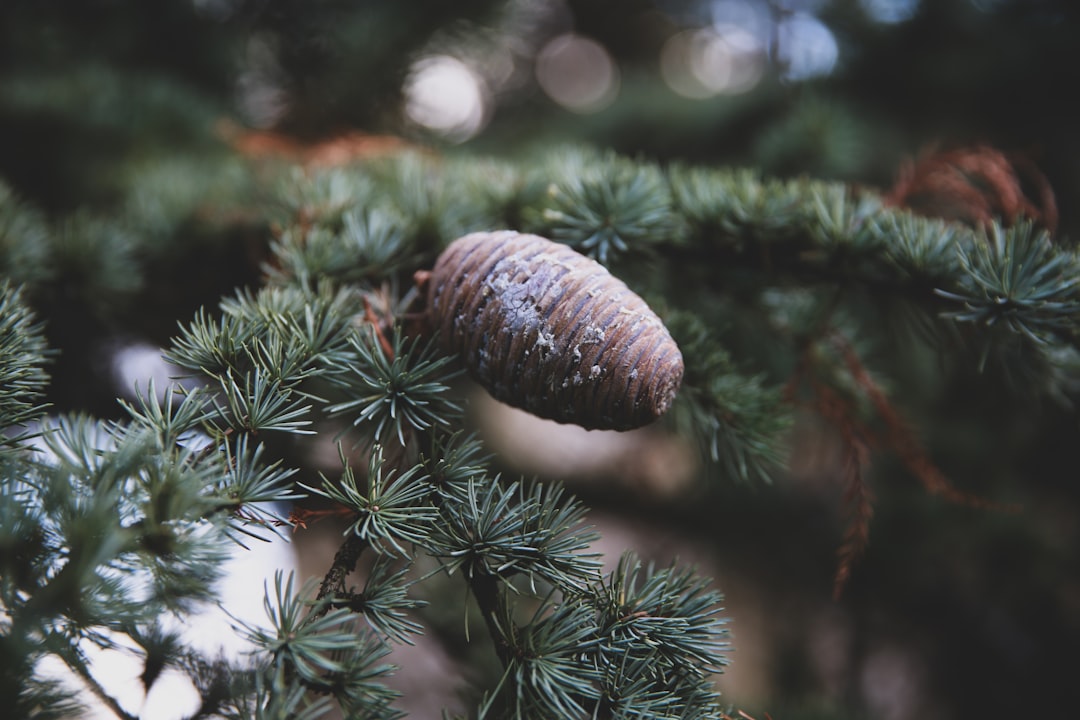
x=111, y=110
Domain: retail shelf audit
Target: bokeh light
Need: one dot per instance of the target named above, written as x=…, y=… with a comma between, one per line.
x=750, y=16
x=444, y=95
x=211, y=631
x=805, y=47
x=137, y=364
x=261, y=94
x=577, y=73
x=216, y=10
x=890, y=11
x=710, y=61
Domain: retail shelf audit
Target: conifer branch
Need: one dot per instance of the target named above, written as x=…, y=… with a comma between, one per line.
x=22, y=368
x=153, y=502
x=78, y=665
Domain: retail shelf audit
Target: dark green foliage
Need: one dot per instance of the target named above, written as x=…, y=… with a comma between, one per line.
x=326, y=194
x=737, y=421
x=638, y=643
x=1020, y=279
x=392, y=510
x=545, y=671
x=370, y=246
x=96, y=260
x=608, y=207
x=405, y=392
x=115, y=523
x=453, y=460
x=920, y=250
x=22, y=373
x=732, y=207
x=672, y=607
x=249, y=488
x=502, y=532
x=262, y=403
x=23, y=238
x=884, y=348
x=384, y=602
x=676, y=616
x=303, y=642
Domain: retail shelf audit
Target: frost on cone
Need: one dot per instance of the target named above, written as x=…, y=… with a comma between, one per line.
x=548, y=330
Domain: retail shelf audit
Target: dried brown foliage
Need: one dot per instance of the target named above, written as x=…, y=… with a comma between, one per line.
x=841, y=413
x=975, y=186
x=334, y=151
x=740, y=715
x=859, y=439
x=899, y=437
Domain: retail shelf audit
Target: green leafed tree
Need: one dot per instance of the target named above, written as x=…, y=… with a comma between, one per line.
x=908, y=338
x=111, y=525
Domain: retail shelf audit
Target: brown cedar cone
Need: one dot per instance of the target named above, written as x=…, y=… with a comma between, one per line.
x=548, y=330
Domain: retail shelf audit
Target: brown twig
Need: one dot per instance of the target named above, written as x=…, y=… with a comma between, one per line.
x=742, y=715
x=300, y=517
x=859, y=501
x=901, y=439
x=859, y=440
x=345, y=559
x=489, y=598
x=857, y=497
x=79, y=667
x=371, y=318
